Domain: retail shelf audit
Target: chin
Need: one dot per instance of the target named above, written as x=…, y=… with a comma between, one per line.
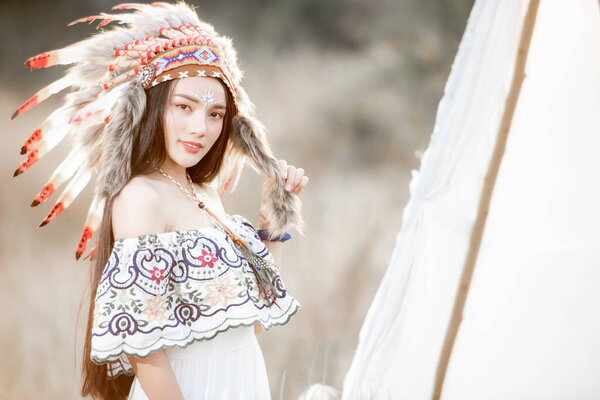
x=188, y=160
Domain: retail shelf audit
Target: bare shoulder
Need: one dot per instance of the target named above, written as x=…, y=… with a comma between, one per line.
x=137, y=210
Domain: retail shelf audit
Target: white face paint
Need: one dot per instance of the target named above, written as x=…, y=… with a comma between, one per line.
x=207, y=98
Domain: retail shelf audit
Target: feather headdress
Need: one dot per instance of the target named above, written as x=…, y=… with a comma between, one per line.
x=109, y=74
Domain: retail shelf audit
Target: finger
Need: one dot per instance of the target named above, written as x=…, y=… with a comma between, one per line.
x=297, y=177
x=291, y=173
x=283, y=165
x=301, y=185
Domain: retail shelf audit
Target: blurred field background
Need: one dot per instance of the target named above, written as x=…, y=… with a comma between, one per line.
x=348, y=91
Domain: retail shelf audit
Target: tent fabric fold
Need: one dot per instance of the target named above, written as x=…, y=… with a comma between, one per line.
x=530, y=246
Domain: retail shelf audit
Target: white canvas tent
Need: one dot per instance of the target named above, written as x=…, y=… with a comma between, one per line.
x=531, y=320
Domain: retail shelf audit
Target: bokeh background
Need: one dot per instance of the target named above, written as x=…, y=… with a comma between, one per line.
x=348, y=90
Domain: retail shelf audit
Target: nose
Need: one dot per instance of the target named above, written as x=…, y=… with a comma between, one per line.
x=198, y=124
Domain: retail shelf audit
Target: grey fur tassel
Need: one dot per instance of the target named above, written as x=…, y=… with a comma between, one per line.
x=119, y=137
x=284, y=210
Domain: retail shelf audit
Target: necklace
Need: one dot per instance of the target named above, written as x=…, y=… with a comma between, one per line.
x=190, y=193
x=196, y=199
x=261, y=269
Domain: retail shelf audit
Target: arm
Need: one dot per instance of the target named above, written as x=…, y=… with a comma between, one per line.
x=276, y=249
x=156, y=376
x=295, y=180
x=137, y=211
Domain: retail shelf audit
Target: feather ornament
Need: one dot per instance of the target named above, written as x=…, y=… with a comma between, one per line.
x=71, y=191
x=74, y=160
x=92, y=222
x=42, y=95
x=102, y=111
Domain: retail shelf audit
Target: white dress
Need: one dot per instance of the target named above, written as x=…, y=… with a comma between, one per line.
x=194, y=294
x=218, y=368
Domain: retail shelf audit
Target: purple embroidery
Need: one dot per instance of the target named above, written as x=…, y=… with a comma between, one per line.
x=122, y=322
x=186, y=312
x=172, y=288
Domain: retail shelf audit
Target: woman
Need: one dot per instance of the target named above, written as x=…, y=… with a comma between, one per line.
x=191, y=130
x=178, y=286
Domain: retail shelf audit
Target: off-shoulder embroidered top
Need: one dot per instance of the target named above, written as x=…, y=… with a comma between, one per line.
x=173, y=288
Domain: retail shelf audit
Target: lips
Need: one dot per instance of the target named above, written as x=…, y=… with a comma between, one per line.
x=192, y=147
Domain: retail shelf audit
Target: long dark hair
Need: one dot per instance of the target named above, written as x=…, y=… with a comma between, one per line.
x=149, y=151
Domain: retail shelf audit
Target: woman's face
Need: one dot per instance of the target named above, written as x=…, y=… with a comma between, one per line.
x=193, y=119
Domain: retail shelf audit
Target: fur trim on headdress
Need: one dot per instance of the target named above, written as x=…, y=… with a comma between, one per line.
x=285, y=209
x=121, y=132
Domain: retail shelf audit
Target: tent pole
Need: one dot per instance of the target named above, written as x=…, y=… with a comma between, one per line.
x=486, y=196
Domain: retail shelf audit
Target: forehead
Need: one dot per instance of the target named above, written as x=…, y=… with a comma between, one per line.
x=199, y=85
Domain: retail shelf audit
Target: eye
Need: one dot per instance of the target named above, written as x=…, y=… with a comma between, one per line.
x=183, y=106
x=217, y=115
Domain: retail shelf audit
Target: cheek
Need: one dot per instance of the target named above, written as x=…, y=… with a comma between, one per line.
x=215, y=130
x=170, y=129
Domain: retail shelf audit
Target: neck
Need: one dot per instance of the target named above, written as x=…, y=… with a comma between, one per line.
x=175, y=170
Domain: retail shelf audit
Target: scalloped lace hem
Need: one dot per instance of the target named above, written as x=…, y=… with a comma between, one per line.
x=118, y=363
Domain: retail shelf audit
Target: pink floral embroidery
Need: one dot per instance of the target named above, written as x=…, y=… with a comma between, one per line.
x=158, y=275
x=155, y=309
x=207, y=258
x=220, y=291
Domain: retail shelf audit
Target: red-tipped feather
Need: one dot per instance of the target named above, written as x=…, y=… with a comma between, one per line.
x=85, y=237
x=274, y=302
x=89, y=19
x=72, y=163
x=105, y=22
x=75, y=186
x=92, y=18
x=44, y=194
x=29, y=161
x=92, y=222
x=57, y=209
x=127, y=6
x=35, y=137
x=39, y=61
x=32, y=102
x=43, y=94
x=91, y=254
x=66, y=55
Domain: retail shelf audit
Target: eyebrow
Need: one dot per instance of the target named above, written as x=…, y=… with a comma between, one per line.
x=195, y=100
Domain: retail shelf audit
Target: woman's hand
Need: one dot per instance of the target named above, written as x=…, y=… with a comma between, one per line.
x=295, y=181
